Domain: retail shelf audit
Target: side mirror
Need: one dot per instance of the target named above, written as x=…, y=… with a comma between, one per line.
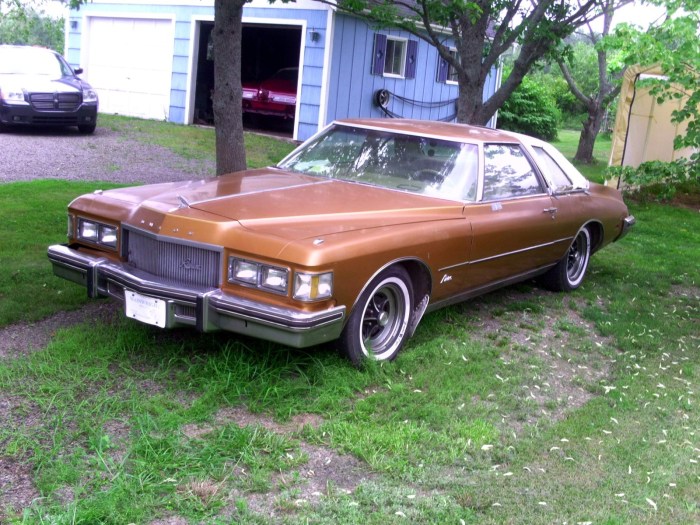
x=78, y=70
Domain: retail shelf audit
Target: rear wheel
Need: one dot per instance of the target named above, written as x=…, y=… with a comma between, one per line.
x=378, y=325
x=569, y=272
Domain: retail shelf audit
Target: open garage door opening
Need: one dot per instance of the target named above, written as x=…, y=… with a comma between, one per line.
x=269, y=69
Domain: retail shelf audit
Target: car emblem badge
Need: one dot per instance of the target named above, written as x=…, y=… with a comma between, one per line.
x=187, y=264
x=446, y=278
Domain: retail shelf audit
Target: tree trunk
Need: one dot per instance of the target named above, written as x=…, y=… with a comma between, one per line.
x=584, y=152
x=228, y=113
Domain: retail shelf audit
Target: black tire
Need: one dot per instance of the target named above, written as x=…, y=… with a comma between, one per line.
x=568, y=274
x=87, y=129
x=378, y=325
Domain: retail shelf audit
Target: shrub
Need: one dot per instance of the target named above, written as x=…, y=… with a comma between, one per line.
x=530, y=110
x=658, y=179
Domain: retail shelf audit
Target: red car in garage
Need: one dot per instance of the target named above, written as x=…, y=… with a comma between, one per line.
x=276, y=96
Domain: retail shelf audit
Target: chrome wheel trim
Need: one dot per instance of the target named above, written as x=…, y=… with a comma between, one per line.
x=385, y=318
x=577, y=258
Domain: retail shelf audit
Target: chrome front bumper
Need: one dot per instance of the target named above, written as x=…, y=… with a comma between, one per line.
x=206, y=309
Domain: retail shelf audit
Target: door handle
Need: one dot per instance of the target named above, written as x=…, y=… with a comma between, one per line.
x=551, y=211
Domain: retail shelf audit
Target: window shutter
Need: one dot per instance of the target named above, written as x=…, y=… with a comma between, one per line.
x=379, y=54
x=411, y=58
x=443, y=69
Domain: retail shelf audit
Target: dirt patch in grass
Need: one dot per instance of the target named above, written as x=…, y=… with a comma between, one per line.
x=242, y=417
x=560, y=376
x=325, y=471
x=17, y=490
x=19, y=339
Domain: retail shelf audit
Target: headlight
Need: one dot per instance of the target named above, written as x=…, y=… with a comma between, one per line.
x=108, y=236
x=274, y=279
x=88, y=230
x=89, y=95
x=99, y=233
x=258, y=275
x=313, y=287
x=13, y=96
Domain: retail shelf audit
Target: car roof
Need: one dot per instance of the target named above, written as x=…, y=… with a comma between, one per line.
x=29, y=49
x=441, y=130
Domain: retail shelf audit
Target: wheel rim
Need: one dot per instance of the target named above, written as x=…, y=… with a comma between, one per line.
x=385, y=319
x=577, y=258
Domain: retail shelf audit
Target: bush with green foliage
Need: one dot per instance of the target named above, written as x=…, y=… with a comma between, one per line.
x=25, y=26
x=530, y=110
x=657, y=179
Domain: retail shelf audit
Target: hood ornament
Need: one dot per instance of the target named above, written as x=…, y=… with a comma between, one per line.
x=183, y=202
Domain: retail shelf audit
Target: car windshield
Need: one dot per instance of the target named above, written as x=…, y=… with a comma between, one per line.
x=32, y=61
x=415, y=164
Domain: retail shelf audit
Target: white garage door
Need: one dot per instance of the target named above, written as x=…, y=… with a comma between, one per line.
x=129, y=63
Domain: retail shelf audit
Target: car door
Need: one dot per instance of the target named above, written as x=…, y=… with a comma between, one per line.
x=514, y=223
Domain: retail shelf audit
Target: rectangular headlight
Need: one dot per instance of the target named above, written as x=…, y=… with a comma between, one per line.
x=313, y=287
x=258, y=275
x=88, y=230
x=274, y=279
x=243, y=271
x=108, y=235
x=97, y=232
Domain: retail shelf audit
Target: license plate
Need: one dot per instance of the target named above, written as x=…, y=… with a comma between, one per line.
x=146, y=309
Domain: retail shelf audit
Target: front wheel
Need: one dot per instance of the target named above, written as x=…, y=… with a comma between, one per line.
x=378, y=325
x=87, y=129
x=569, y=272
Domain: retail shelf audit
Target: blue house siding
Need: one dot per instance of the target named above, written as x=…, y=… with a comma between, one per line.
x=353, y=87
x=345, y=90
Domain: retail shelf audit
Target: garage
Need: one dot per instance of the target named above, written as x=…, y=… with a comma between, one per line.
x=266, y=49
x=129, y=62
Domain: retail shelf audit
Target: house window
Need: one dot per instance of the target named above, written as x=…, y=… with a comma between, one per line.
x=451, y=70
x=446, y=71
x=394, y=57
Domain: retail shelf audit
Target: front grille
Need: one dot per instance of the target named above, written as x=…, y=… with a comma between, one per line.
x=177, y=262
x=55, y=101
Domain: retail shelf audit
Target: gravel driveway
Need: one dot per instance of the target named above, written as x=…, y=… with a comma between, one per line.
x=107, y=155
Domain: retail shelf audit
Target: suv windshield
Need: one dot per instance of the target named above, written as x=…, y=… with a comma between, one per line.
x=32, y=61
x=416, y=164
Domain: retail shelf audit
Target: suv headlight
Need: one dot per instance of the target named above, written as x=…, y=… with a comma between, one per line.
x=89, y=95
x=13, y=96
x=98, y=233
x=313, y=286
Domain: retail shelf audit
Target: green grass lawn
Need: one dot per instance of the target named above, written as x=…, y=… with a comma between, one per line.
x=567, y=143
x=523, y=406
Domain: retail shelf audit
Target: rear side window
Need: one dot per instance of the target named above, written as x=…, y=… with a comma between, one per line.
x=508, y=173
x=552, y=171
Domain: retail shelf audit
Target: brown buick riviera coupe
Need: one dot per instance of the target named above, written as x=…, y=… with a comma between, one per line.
x=353, y=236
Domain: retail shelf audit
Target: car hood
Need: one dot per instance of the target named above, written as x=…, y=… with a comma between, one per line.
x=43, y=84
x=288, y=205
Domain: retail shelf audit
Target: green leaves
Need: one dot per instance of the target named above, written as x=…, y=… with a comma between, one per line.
x=674, y=45
x=25, y=25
